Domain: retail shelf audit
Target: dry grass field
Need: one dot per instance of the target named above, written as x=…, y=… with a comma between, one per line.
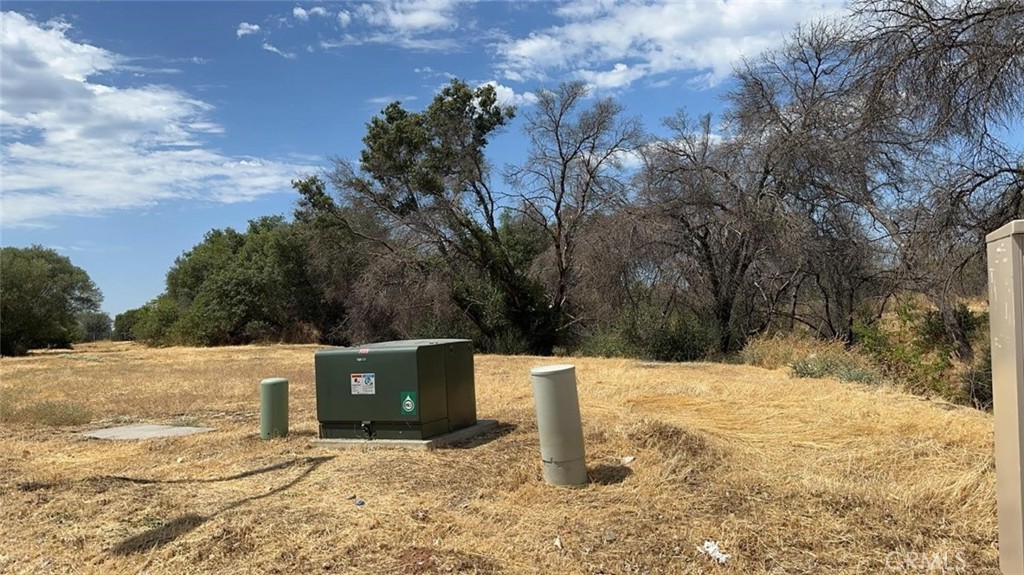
x=787, y=475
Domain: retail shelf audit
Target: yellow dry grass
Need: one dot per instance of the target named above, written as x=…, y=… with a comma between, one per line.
x=788, y=476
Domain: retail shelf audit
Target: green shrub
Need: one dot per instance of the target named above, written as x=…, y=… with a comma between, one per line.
x=646, y=333
x=675, y=337
x=509, y=342
x=605, y=343
x=976, y=382
x=932, y=331
x=905, y=359
x=812, y=366
x=858, y=370
x=914, y=351
x=262, y=331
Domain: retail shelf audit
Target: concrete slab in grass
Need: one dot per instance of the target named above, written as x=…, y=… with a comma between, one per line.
x=457, y=436
x=143, y=431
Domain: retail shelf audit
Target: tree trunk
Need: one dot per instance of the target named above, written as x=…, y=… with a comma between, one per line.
x=956, y=333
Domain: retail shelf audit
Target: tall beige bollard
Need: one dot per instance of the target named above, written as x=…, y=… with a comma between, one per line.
x=1006, y=313
x=558, y=423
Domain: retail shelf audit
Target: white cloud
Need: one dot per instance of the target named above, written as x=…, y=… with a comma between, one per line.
x=245, y=28
x=584, y=9
x=395, y=41
x=420, y=25
x=621, y=75
x=384, y=100
x=411, y=15
x=271, y=48
x=73, y=146
x=66, y=60
x=428, y=72
x=613, y=44
x=508, y=97
x=303, y=15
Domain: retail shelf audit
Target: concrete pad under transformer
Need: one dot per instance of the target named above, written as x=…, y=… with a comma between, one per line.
x=143, y=431
x=482, y=426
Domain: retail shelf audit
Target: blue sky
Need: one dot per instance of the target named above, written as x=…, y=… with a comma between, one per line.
x=129, y=129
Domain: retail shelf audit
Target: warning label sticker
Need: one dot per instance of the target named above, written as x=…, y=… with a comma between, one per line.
x=364, y=384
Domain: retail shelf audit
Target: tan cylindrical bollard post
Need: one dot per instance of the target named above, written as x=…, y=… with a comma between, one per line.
x=1006, y=320
x=558, y=423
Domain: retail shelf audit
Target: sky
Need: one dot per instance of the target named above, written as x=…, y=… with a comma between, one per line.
x=130, y=129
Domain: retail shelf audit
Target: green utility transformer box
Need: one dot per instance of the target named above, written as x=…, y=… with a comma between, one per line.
x=413, y=389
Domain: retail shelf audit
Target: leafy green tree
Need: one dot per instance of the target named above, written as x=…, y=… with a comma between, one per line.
x=124, y=324
x=94, y=326
x=192, y=269
x=156, y=321
x=238, y=287
x=426, y=180
x=41, y=294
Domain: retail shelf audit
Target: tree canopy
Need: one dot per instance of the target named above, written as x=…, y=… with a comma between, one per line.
x=41, y=296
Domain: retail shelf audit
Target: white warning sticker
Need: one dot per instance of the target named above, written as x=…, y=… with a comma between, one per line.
x=364, y=384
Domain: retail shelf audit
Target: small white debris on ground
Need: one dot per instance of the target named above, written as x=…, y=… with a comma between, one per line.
x=628, y=459
x=558, y=541
x=712, y=551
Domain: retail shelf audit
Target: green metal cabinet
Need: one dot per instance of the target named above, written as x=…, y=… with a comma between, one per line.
x=412, y=389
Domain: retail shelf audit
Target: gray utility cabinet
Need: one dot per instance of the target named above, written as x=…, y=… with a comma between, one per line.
x=412, y=389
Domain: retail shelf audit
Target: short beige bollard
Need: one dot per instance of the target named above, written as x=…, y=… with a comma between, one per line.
x=558, y=422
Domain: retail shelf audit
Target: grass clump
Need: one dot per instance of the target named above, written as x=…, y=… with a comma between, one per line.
x=7, y=405
x=54, y=413
x=845, y=366
x=50, y=412
x=809, y=357
x=779, y=350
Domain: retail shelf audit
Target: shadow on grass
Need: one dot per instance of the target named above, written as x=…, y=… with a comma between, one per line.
x=495, y=433
x=159, y=536
x=609, y=474
x=175, y=528
x=315, y=461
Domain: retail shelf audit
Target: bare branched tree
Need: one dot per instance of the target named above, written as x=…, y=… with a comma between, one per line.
x=954, y=72
x=957, y=68
x=715, y=200
x=575, y=170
